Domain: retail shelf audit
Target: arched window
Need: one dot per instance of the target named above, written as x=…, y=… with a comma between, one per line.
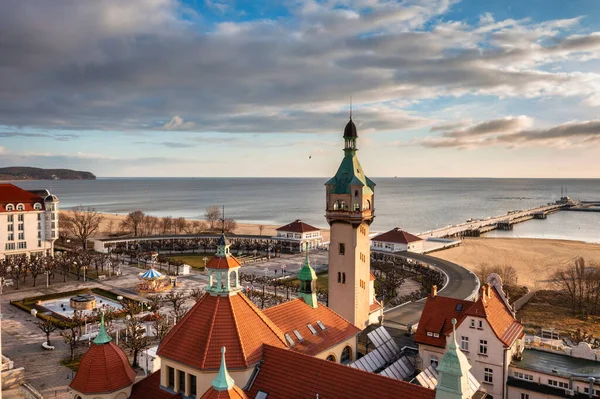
x=37, y=206
x=20, y=207
x=346, y=355
x=356, y=207
x=330, y=358
x=367, y=205
x=10, y=207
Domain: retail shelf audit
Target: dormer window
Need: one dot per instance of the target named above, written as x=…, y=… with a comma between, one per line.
x=37, y=206
x=10, y=207
x=20, y=207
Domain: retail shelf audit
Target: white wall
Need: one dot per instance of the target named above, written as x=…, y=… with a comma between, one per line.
x=37, y=232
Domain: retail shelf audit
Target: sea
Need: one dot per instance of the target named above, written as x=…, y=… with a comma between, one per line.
x=414, y=204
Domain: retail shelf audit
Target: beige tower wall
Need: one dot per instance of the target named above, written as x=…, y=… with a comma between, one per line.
x=351, y=300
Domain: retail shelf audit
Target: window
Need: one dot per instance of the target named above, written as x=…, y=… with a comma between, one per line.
x=171, y=380
x=37, y=206
x=39, y=234
x=20, y=207
x=39, y=226
x=289, y=340
x=11, y=227
x=587, y=390
x=21, y=217
x=9, y=246
x=339, y=277
x=524, y=396
x=321, y=326
x=21, y=227
x=298, y=335
x=523, y=376
x=21, y=236
x=480, y=327
x=464, y=343
x=263, y=395
x=434, y=361
x=346, y=355
x=54, y=234
x=342, y=249
x=11, y=218
x=181, y=381
x=39, y=216
x=459, y=307
x=10, y=207
x=330, y=358
x=488, y=376
x=311, y=328
x=560, y=384
x=472, y=323
x=343, y=278
x=11, y=237
x=39, y=243
x=53, y=225
x=22, y=245
x=193, y=387
x=483, y=347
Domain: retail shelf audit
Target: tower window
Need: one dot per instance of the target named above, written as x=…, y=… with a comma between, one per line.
x=339, y=277
x=343, y=278
x=346, y=355
x=342, y=248
x=356, y=193
x=181, y=381
x=171, y=380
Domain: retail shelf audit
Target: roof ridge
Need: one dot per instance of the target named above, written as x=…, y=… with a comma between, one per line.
x=266, y=319
x=210, y=330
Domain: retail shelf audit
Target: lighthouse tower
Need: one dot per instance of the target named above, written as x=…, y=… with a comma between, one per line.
x=350, y=211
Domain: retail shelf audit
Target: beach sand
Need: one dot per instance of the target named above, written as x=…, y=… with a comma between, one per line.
x=534, y=259
x=242, y=228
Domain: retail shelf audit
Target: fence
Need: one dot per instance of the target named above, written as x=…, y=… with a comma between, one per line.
x=519, y=303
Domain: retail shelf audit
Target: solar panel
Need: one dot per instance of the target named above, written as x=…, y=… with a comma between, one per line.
x=380, y=336
x=399, y=370
x=371, y=362
x=261, y=395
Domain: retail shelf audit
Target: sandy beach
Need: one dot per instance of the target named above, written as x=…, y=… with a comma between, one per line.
x=534, y=259
x=242, y=228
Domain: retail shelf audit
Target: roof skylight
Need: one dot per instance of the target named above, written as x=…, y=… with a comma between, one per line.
x=289, y=339
x=311, y=328
x=298, y=335
x=321, y=325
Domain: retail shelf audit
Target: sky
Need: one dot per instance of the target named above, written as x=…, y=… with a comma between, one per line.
x=439, y=88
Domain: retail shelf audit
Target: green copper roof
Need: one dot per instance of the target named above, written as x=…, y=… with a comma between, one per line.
x=307, y=273
x=102, y=337
x=453, y=371
x=308, y=278
x=350, y=173
x=223, y=381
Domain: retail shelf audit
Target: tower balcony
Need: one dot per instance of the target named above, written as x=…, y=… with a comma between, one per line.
x=350, y=216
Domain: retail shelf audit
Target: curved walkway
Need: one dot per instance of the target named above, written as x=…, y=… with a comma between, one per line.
x=461, y=284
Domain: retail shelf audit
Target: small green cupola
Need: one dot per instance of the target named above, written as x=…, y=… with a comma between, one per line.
x=453, y=372
x=308, y=283
x=102, y=337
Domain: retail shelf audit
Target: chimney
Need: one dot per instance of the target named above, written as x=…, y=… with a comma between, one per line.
x=487, y=290
x=433, y=291
x=482, y=293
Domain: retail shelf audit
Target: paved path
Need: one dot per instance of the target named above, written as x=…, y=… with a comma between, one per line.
x=461, y=284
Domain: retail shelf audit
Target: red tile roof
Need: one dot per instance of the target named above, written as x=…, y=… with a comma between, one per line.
x=216, y=321
x=233, y=393
x=298, y=226
x=11, y=194
x=372, y=277
x=287, y=374
x=493, y=309
x=398, y=236
x=227, y=262
x=104, y=368
x=149, y=388
x=375, y=306
x=439, y=311
x=296, y=315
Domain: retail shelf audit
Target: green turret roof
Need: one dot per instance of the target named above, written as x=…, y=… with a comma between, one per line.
x=307, y=273
x=102, y=337
x=350, y=173
x=453, y=371
x=223, y=381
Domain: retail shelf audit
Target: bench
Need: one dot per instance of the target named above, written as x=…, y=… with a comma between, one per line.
x=102, y=277
x=47, y=347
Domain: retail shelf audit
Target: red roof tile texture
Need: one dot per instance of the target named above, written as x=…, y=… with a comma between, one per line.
x=11, y=194
x=296, y=315
x=290, y=375
x=297, y=226
x=439, y=311
x=217, y=321
x=104, y=368
x=375, y=306
x=397, y=236
x=228, y=262
x=149, y=388
x=233, y=393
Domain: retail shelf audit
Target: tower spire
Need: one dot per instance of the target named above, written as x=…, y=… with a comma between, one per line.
x=308, y=282
x=102, y=337
x=453, y=372
x=350, y=107
x=223, y=381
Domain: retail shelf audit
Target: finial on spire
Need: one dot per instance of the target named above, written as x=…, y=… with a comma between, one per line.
x=223, y=381
x=453, y=343
x=223, y=221
x=102, y=337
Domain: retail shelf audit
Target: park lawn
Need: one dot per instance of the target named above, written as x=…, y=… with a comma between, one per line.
x=194, y=260
x=550, y=309
x=322, y=280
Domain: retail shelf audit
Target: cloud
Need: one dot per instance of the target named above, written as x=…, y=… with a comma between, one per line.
x=131, y=67
x=514, y=132
x=58, y=137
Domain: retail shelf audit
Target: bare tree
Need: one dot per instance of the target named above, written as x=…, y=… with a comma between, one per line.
x=47, y=326
x=212, y=215
x=82, y=223
x=177, y=300
x=582, y=284
x=229, y=225
x=161, y=327
x=36, y=266
x=196, y=294
x=166, y=224
x=72, y=334
x=260, y=229
x=180, y=225
x=133, y=222
x=137, y=338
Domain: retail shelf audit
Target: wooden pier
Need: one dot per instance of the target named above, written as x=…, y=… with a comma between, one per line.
x=502, y=222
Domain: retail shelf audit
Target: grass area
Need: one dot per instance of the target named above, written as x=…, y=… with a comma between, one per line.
x=549, y=309
x=194, y=260
x=322, y=280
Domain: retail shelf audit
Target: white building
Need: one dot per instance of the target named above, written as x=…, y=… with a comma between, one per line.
x=397, y=240
x=296, y=235
x=487, y=331
x=28, y=221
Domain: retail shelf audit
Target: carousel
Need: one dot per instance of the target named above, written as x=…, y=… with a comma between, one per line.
x=153, y=281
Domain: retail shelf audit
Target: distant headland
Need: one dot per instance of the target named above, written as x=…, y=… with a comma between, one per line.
x=27, y=173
